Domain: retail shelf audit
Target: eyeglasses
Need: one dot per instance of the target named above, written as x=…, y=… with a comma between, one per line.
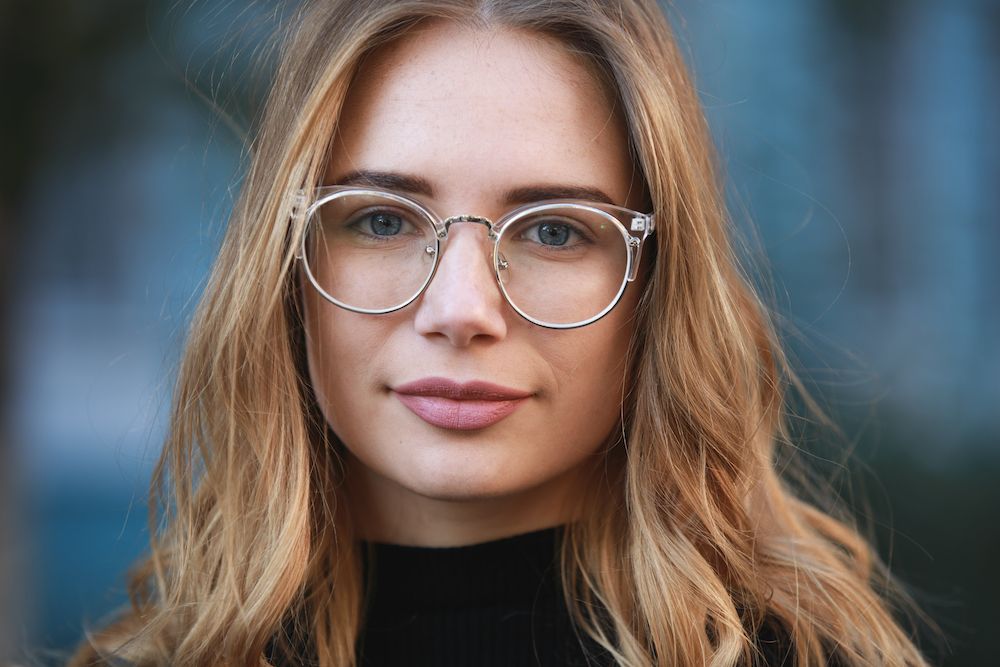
x=560, y=264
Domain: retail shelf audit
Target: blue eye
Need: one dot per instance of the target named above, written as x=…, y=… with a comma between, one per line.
x=384, y=224
x=553, y=234
x=381, y=224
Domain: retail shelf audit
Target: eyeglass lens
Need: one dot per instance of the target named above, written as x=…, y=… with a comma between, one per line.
x=561, y=265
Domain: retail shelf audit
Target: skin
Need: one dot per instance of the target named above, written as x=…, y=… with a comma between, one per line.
x=475, y=112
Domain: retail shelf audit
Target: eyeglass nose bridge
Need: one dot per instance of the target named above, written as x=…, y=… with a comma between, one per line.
x=478, y=219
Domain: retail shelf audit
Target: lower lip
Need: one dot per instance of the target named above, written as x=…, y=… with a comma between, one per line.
x=458, y=415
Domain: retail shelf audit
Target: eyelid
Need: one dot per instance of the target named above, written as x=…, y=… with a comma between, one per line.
x=411, y=219
x=579, y=227
x=508, y=211
x=500, y=221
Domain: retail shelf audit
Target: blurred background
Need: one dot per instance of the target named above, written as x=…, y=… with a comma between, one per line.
x=860, y=139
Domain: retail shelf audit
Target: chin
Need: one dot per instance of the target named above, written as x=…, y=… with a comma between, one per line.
x=462, y=483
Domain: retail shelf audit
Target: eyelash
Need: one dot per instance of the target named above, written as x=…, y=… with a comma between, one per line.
x=574, y=229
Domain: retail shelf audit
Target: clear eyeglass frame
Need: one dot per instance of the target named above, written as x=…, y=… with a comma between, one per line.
x=635, y=227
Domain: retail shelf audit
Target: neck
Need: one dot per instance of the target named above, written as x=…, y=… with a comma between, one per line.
x=387, y=512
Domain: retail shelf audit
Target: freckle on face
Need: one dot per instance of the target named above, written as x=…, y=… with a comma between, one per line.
x=474, y=113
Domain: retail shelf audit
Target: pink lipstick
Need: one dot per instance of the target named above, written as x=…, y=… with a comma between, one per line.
x=459, y=406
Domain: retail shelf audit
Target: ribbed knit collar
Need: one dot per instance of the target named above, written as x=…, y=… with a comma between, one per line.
x=516, y=571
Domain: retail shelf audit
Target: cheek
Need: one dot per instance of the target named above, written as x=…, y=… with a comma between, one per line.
x=589, y=368
x=341, y=349
x=320, y=358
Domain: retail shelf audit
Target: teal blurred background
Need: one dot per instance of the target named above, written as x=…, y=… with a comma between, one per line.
x=860, y=137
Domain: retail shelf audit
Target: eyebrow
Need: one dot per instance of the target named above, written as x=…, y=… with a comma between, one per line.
x=391, y=180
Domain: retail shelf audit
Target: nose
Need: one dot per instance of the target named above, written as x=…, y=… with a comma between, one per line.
x=463, y=301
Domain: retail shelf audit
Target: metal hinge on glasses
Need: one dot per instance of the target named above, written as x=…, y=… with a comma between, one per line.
x=642, y=223
x=300, y=202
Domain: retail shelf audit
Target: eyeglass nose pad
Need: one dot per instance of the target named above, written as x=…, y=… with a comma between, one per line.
x=503, y=268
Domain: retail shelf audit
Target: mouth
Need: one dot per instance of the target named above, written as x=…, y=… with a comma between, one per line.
x=459, y=406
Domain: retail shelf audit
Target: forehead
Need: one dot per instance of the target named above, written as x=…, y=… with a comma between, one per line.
x=475, y=110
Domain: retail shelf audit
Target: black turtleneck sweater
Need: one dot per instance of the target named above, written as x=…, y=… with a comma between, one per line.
x=488, y=604
x=492, y=603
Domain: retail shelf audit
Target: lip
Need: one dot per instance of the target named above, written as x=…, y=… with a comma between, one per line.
x=459, y=406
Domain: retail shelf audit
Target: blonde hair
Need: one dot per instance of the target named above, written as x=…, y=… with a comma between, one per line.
x=693, y=540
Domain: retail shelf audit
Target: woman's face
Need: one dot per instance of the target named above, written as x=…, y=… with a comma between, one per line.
x=475, y=114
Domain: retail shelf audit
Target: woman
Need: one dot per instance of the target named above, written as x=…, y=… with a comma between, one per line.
x=477, y=378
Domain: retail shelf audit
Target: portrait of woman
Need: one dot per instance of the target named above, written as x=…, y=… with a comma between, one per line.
x=479, y=377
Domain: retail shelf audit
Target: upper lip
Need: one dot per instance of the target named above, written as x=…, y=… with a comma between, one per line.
x=474, y=390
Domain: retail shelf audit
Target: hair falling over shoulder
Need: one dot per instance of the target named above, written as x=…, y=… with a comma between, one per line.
x=694, y=539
